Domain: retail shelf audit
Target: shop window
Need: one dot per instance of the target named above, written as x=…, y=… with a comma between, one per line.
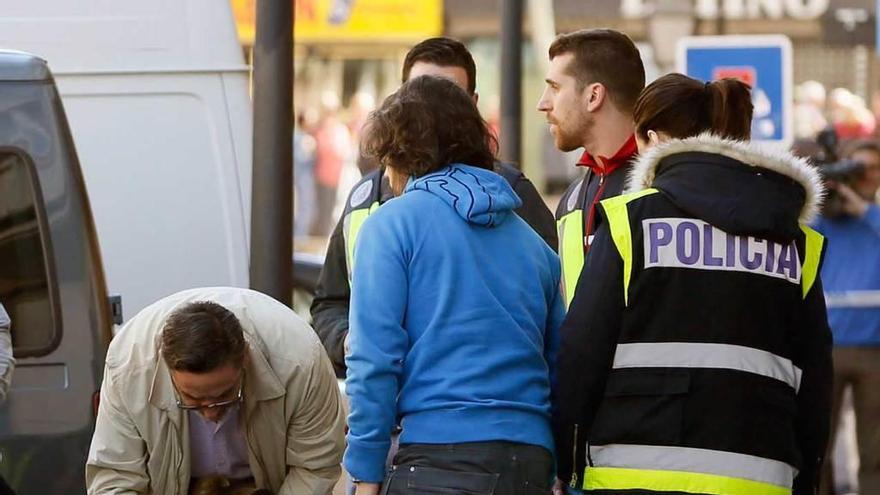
x=26, y=287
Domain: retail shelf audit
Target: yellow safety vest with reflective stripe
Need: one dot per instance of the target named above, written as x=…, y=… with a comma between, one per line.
x=573, y=215
x=351, y=226
x=667, y=468
x=571, y=251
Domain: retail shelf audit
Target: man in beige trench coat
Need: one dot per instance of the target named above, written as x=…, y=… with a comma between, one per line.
x=216, y=383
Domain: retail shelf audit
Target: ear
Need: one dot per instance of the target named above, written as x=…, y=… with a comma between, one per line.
x=653, y=137
x=595, y=95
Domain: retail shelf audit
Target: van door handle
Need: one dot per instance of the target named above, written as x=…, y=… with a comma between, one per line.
x=116, y=309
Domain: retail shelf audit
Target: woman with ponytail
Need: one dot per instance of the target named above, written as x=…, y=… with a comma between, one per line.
x=695, y=357
x=677, y=106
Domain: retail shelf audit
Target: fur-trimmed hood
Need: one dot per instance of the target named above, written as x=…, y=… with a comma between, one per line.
x=727, y=183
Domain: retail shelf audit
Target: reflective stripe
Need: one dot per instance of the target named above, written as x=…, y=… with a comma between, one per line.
x=704, y=461
x=618, y=221
x=813, y=248
x=675, y=481
x=346, y=225
x=571, y=251
x=853, y=299
x=351, y=226
x=700, y=355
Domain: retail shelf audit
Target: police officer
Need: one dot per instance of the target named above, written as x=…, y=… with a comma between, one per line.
x=594, y=79
x=695, y=357
x=441, y=57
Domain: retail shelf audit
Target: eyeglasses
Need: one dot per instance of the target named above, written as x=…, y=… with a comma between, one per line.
x=213, y=405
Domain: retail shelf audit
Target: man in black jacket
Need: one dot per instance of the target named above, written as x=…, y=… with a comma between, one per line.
x=594, y=79
x=441, y=57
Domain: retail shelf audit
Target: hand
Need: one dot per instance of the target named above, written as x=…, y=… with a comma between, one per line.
x=363, y=488
x=851, y=202
x=559, y=487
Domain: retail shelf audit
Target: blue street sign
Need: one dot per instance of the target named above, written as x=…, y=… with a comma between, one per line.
x=763, y=62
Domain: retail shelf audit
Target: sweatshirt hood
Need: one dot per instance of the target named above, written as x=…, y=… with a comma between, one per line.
x=481, y=197
x=740, y=187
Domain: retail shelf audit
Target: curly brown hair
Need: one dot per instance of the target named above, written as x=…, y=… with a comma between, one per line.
x=425, y=125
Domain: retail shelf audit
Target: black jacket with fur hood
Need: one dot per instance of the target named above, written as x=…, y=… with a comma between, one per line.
x=715, y=356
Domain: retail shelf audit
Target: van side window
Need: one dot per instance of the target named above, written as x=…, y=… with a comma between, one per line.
x=26, y=289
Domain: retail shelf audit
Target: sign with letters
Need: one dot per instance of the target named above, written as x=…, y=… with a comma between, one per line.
x=400, y=21
x=761, y=61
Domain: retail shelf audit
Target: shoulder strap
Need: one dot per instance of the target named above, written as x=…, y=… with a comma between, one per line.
x=510, y=173
x=813, y=244
x=618, y=221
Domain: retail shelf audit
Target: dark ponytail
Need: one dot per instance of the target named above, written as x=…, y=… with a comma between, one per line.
x=730, y=108
x=680, y=106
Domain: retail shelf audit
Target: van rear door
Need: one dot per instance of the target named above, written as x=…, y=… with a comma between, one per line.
x=52, y=285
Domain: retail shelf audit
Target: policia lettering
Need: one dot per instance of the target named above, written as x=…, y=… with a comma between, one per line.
x=691, y=244
x=676, y=242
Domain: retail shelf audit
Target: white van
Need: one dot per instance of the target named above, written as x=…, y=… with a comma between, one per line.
x=156, y=93
x=156, y=97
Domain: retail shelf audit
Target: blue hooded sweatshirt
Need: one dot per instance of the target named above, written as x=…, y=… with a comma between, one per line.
x=455, y=312
x=851, y=277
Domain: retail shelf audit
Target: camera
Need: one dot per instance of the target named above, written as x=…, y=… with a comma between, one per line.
x=832, y=168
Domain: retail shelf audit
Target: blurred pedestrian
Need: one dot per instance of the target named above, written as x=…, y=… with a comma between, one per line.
x=851, y=275
x=441, y=57
x=453, y=333
x=333, y=148
x=875, y=109
x=695, y=357
x=594, y=79
x=809, y=110
x=849, y=115
x=216, y=382
x=304, y=150
x=362, y=103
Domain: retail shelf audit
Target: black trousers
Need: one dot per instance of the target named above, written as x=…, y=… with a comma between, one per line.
x=478, y=468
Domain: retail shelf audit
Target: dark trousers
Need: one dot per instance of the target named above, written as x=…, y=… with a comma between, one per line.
x=478, y=468
x=858, y=367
